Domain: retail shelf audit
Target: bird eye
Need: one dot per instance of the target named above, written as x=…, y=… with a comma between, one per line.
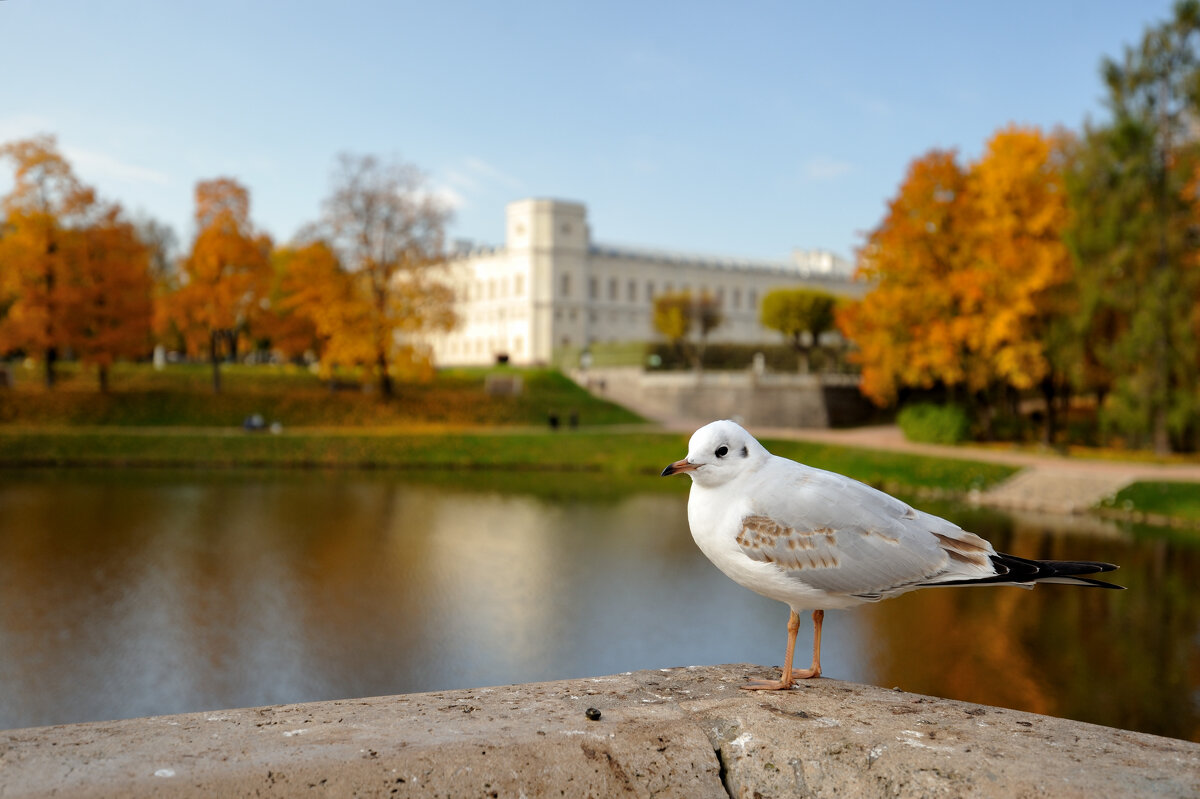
x=722, y=451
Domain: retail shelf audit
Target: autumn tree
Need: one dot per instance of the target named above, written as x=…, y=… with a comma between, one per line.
x=224, y=279
x=73, y=274
x=46, y=202
x=972, y=279
x=678, y=313
x=386, y=229
x=1022, y=265
x=114, y=311
x=801, y=315
x=918, y=326
x=308, y=287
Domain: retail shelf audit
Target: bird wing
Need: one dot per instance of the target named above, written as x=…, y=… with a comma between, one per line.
x=839, y=535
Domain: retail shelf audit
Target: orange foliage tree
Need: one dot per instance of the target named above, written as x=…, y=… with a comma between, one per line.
x=382, y=287
x=73, y=274
x=114, y=312
x=971, y=275
x=1023, y=213
x=915, y=327
x=223, y=280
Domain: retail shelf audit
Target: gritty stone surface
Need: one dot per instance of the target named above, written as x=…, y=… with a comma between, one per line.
x=686, y=732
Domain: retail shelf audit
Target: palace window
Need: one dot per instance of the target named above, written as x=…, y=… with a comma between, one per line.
x=564, y=287
x=632, y=292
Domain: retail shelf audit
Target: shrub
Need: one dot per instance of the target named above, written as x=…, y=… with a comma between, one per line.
x=934, y=424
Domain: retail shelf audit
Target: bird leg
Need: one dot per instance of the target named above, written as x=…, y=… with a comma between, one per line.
x=788, y=677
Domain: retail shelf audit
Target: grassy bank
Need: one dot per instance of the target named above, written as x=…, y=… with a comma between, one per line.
x=591, y=450
x=1158, y=501
x=181, y=395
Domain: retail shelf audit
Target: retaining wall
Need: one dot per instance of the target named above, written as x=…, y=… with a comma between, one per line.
x=761, y=399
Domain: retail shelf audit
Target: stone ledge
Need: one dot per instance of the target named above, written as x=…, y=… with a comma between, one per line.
x=676, y=732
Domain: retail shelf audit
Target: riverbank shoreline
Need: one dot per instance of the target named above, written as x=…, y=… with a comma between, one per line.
x=1009, y=479
x=667, y=732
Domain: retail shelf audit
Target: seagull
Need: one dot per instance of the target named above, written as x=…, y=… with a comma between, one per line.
x=817, y=540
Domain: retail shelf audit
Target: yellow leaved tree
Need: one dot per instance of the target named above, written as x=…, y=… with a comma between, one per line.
x=971, y=276
x=224, y=280
x=74, y=277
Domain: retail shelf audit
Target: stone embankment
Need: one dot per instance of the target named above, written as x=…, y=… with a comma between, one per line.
x=685, y=732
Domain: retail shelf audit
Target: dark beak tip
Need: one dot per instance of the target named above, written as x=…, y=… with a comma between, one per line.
x=667, y=472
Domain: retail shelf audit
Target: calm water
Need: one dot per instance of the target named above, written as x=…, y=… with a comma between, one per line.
x=131, y=593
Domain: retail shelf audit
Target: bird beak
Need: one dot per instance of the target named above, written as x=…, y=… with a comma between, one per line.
x=679, y=467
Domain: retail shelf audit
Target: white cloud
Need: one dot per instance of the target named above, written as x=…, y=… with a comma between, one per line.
x=23, y=126
x=449, y=196
x=474, y=175
x=89, y=163
x=98, y=165
x=490, y=173
x=825, y=168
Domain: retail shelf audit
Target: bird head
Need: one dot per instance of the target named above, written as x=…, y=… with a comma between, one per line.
x=717, y=453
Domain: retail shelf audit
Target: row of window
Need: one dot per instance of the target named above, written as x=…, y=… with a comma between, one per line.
x=495, y=288
x=632, y=287
x=483, y=346
x=502, y=288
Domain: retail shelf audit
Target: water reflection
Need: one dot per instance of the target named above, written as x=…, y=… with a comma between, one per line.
x=126, y=594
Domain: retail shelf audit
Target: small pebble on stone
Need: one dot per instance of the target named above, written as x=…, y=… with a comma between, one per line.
x=592, y=714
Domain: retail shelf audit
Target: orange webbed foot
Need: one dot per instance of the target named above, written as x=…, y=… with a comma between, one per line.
x=766, y=685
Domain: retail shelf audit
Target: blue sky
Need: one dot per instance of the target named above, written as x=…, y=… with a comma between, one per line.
x=723, y=128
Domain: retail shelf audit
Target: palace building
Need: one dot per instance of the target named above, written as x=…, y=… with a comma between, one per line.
x=551, y=289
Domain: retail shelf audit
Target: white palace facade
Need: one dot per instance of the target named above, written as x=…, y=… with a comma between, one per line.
x=550, y=290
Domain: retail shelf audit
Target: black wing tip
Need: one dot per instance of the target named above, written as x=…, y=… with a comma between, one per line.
x=1079, y=566
x=1021, y=567
x=1011, y=570
x=1099, y=583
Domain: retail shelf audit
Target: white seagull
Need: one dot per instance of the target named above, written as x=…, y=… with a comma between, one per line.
x=815, y=540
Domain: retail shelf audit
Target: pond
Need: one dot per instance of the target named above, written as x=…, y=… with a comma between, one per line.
x=131, y=593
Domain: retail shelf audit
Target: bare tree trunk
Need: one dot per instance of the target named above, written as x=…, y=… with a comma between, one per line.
x=213, y=353
x=51, y=358
x=1050, y=426
x=385, y=377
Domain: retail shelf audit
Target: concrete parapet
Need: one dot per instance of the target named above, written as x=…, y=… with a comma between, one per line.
x=764, y=400
x=685, y=732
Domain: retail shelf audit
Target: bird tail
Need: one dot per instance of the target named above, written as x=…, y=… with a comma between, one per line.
x=1012, y=570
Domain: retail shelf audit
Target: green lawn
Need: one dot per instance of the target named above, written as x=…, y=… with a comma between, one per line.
x=1170, y=499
